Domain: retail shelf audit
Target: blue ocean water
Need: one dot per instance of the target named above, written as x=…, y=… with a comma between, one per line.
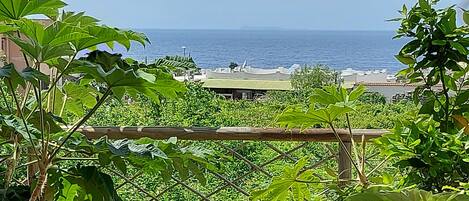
x=361, y=50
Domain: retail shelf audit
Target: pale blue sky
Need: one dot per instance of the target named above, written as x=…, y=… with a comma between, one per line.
x=235, y=14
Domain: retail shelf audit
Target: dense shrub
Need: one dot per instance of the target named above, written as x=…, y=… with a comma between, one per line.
x=373, y=98
x=202, y=108
x=197, y=107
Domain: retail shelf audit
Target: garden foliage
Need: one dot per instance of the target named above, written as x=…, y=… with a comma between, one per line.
x=33, y=130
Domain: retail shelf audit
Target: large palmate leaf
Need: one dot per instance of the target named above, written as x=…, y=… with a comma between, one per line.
x=123, y=78
x=78, y=98
x=293, y=184
x=47, y=42
x=34, y=76
x=333, y=101
x=185, y=161
x=11, y=77
x=295, y=117
x=17, y=9
x=87, y=183
x=177, y=62
x=11, y=124
x=4, y=28
x=337, y=95
x=107, y=35
x=50, y=125
x=78, y=19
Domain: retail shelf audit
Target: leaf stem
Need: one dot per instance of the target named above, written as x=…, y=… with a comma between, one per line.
x=81, y=122
x=6, y=101
x=344, y=147
x=445, y=91
x=56, y=80
x=20, y=112
x=60, y=75
x=354, y=145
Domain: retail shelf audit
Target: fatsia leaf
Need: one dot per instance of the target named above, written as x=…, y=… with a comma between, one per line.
x=79, y=97
x=296, y=118
x=131, y=79
x=356, y=93
x=292, y=184
x=11, y=77
x=424, y=4
x=34, y=76
x=69, y=192
x=78, y=19
x=14, y=124
x=126, y=148
x=47, y=42
x=466, y=17
x=198, y=172
x=50, y=125
x=92, y=183
x=7, y=28
x=17, y=9
x=176, y=62
x=103, y=35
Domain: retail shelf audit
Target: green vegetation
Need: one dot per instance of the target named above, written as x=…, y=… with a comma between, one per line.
x=429, y=146
x=202, y=108
x=32, y=118
x=42, y=157
x=432, y=146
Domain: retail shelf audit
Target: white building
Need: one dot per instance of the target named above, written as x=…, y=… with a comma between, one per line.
x=248, y=82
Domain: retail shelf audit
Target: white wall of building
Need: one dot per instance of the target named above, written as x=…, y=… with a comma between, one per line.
x=390, y=90
x=248, y=76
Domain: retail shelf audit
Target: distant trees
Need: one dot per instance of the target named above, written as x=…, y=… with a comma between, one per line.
x=307, y=78
x=372, y=98
x=233, y=65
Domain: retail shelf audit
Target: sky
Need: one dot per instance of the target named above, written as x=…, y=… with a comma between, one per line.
x=239, y=14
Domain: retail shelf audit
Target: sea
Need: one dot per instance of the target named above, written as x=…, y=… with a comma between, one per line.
x=360, y=50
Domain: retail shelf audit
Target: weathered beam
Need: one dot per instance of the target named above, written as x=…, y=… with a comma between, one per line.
x=227, y=133
x=345, y=164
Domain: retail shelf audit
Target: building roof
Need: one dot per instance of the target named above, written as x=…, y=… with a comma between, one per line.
x=395, y=84
x=247, y=84
x=379, y=84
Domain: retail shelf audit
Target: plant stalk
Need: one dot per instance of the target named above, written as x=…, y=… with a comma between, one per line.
x=81, y=122
x=362, y=177
x=354, y=145
x=22, y=118
x=445, y=91
x=8, y=106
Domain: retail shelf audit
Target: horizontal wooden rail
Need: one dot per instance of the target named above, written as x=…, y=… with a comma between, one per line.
x=228, y=133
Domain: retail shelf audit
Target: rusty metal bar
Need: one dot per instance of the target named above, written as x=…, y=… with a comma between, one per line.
x=228, y=133
x=166, y=190
x=281, y=152
x=254, y=166
x=133, y=184
x=190, y=188
x=253, y=170
x=239, y=189
x=131, y=179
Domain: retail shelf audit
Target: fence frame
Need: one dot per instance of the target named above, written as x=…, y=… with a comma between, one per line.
x=242, y=134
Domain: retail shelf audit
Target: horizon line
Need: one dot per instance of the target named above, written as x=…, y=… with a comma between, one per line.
x=258, y=29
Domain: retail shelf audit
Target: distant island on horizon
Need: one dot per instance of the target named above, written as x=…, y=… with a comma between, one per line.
x=259, y=28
